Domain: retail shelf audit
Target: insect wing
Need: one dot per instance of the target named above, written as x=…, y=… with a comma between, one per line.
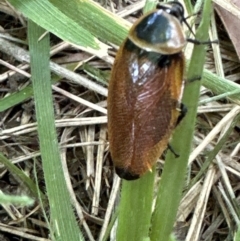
x=142, y=108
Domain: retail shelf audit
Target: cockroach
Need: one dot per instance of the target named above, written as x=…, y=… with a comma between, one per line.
x=145, y=90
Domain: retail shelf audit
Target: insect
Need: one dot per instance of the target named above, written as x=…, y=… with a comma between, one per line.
x=145, y=90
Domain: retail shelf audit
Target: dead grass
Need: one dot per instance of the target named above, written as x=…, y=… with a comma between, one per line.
x=209, y=210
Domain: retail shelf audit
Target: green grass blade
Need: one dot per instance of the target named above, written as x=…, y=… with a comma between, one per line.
x=210, y=80
x=90, y=15
x=174, y=172
x=21, y=176
x=65, y=227
x=135, y=208
x=16, y=98
x=149, y=5
x=50, y=18
x=220, y=85
x=237, y=235
x=15, y=200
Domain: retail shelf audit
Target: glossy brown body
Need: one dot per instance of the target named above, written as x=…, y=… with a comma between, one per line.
x=142, y=113
x=143, y=106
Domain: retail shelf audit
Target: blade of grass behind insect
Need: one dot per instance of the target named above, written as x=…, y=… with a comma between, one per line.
x=149, y=5
x=49, y=17
x=87, y=13
x=188, y=6
x=65, y=227
x=135, y=208
x=174, y=172
x=210, y=80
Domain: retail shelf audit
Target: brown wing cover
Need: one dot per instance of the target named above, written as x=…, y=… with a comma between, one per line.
x=142, y=109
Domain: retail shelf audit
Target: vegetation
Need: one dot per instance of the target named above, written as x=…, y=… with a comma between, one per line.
x=54, y=131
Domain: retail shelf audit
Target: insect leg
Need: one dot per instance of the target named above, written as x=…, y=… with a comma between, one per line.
x=197, y=42
x=173, y=151
x=183, y=112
